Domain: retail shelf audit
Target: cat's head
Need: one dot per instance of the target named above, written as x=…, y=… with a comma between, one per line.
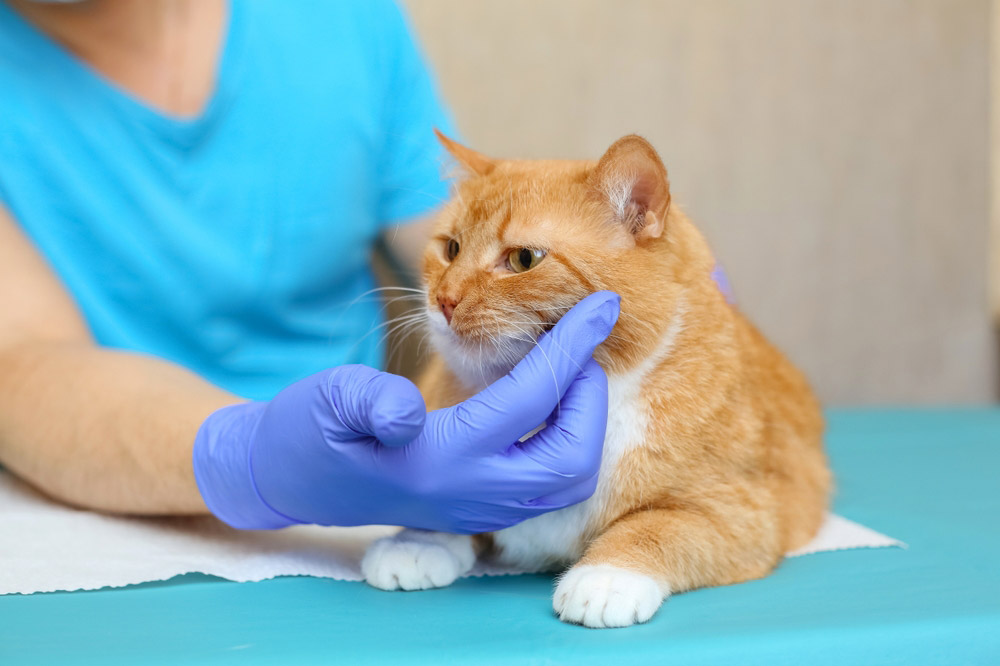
x=522, y=241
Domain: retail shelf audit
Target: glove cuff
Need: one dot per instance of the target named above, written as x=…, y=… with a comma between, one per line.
x=221, y=458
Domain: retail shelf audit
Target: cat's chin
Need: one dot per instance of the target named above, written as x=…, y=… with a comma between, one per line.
x=479, y=362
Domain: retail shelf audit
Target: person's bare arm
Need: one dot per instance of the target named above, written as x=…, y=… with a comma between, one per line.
x=94, y=427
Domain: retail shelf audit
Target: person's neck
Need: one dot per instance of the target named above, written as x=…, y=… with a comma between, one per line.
x=134, y=27
x=163, y=51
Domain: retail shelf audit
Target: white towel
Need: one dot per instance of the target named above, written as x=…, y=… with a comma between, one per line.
x=46, y=547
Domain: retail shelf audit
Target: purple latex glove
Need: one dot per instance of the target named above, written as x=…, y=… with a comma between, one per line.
x=722, y=282
x=355, y=446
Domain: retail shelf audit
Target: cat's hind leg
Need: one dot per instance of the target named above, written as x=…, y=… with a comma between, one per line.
x=417, y=560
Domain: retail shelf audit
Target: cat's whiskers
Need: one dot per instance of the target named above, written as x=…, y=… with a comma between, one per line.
x=403, y=333
x=532, y=340
x=611, y=336
x=642, y=322
x=366, y=297
x=409, y=328
x=482, y=369
x=404, y=329
x=401, y=322
x=378, y=290
x=416, y=314
x=418, y=300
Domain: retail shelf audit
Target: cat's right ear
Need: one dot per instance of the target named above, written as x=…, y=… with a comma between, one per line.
x=476, y=163
x=632, y=181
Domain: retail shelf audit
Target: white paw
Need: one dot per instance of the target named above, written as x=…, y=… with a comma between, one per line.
x=602, y=596
x=417, y=560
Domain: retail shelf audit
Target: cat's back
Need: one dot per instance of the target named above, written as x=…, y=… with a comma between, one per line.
x=791, y=433
x=777, y=386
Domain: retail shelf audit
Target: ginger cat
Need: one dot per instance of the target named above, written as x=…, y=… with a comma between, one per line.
x=713, y=463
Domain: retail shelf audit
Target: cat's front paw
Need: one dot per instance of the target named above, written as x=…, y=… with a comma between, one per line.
x=417, y=560
x=602, y=596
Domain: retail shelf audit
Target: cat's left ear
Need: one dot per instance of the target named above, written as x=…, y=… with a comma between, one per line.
x=632, y=180
x=476, y=163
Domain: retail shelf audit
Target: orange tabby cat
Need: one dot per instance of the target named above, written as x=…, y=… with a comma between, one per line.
x=713, y=464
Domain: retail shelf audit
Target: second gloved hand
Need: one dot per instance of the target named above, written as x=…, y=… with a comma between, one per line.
x=353, y=446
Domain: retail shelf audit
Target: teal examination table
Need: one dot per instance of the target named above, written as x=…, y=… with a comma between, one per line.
x=930, y=478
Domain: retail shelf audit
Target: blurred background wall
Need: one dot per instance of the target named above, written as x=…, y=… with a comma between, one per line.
x=835, y=153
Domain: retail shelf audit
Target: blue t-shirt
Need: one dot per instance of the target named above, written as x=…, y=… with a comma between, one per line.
x=236, y=243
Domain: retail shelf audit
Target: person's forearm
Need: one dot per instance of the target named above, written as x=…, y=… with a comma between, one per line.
x=103, y=429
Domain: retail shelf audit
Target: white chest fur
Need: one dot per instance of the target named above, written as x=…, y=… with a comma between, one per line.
x=557, y=537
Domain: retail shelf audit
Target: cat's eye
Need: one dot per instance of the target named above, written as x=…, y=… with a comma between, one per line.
x=524, y=258
x=451, y=250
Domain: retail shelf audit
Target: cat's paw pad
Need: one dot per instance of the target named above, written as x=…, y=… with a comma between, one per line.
x=602, y=596
x=396, y=563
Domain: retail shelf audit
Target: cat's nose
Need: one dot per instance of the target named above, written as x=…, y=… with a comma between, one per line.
x=447, y=306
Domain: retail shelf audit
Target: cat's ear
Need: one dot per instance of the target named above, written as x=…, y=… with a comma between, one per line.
x=476, y=163
x=632, y=180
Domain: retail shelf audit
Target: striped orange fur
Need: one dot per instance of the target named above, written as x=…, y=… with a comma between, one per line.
x=714, y=464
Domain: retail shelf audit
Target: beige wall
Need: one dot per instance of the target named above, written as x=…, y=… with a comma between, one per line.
x=835, y=152
x=995, y=161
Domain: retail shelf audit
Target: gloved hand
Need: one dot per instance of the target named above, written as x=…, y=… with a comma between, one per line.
x=354, y=446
